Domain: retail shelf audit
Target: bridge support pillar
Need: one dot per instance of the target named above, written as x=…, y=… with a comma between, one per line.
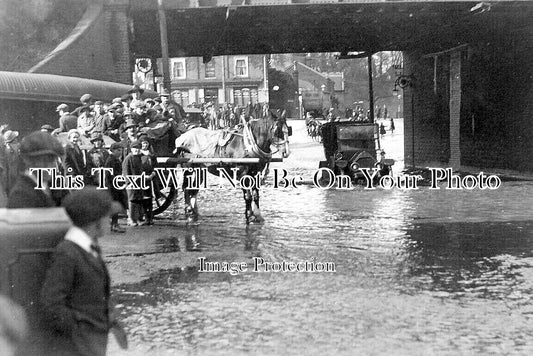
x=117, y=25
x=455, y=110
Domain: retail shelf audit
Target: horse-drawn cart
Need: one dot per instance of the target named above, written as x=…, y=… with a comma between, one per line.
x=350, y=146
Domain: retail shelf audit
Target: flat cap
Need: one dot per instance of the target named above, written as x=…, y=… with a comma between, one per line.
x=89, y=205
x=10, y=136
x=164, y=92
x=73, y=131
x=116, y=145
x=47, y=127
x=40, y=143
x=98, y=102
x=136, y=144
x=96, y=136
x=86, y=98
x=63, y=107
x=137, y=104
x=129, y=123
x=117, y=101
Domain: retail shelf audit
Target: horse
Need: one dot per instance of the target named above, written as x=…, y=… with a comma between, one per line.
x=253, y=140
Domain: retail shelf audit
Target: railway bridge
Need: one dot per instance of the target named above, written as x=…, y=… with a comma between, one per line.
x=466, y=80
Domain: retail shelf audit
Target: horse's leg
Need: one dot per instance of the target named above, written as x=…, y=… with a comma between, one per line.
x=190, y=194
x=255, y=204
x=248, y=212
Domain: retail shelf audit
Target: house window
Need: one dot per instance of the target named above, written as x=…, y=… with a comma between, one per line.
x=210, y=69
x=241, y=66
x=178, y=68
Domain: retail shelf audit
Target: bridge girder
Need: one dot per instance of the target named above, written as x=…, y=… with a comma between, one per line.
x=339, y=27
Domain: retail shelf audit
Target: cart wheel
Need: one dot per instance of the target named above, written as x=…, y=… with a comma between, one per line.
x=163, y=199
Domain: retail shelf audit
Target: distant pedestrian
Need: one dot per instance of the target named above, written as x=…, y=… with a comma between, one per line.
x=75, y=295
x=382, y=129
x=392, y=127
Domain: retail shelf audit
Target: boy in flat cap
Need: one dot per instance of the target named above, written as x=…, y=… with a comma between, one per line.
x=37, y=150
x=76, y=291
x=96, y=156
x=132, y=165
x=114, y=161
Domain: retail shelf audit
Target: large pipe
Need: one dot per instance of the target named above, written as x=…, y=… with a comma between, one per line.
x=164, y=45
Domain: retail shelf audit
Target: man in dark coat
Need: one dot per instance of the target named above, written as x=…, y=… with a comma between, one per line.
x=74, y=162
x=132, y=165
x=76, y=291
x=37, y=150
x=67, y=121
x=112, y=123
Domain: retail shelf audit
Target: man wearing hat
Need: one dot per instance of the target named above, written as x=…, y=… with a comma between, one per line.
x=96, y=156
x=86, y=121
x=170, y=107
x=136, y=92
x=37, y=150
x=74, y=162
x=86, y=101
x=138, y=113
x=112, y=123
x=98, y=114
x=67, y=121
x=76, y=291
x=47, y=128
x=130, y=127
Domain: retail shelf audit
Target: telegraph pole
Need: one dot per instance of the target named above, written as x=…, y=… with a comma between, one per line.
x=164, y=45
x=370, y=90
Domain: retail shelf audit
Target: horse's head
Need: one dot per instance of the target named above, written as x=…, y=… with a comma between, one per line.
x=270, y=131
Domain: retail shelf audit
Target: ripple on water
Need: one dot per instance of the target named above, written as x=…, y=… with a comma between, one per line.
x=419, y=272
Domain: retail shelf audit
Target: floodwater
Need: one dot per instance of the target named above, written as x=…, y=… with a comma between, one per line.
x=417, y=272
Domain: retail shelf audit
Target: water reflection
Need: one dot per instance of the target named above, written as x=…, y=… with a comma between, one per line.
x=474, y=259
x=418, y=272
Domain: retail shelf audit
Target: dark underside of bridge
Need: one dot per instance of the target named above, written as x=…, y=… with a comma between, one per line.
x=339, y=27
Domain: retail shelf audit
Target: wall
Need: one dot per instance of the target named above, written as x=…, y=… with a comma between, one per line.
x=427, y=116
x=98, y=48
x=496, y=104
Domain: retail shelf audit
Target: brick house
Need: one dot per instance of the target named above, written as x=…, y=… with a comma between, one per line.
x=239, y=79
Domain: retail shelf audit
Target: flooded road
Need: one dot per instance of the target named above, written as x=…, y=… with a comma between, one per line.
x=417, y=272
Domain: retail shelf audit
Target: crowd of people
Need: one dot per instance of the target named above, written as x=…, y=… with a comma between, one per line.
x=36, y=168
x=132, y=125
